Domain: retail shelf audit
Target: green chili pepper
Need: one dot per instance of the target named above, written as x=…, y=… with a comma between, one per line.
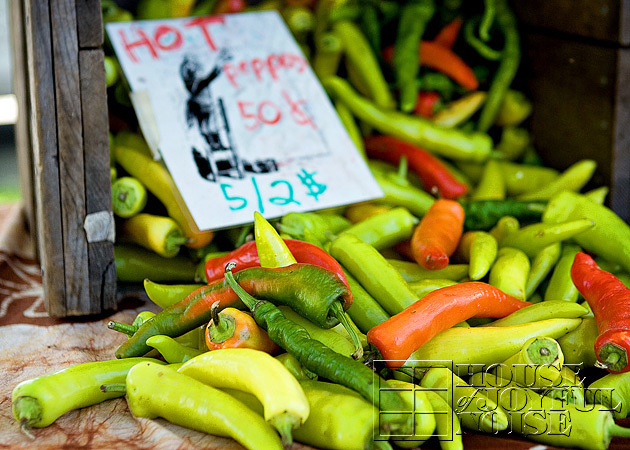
x=365, y=311
x=468, y=346
x=553, y=309
x=569, y=388
x=348, y=122
x=359, y=54
x=561, y=286
x=531, y=239
x=300, y=21
x=437, y=82
x=374, y=272
x=491, y=186
x=328, y=51
x=340, y=419
x=369, y=22
x=158, y=391
x=484, y=214
x=319, y=226
x=483, y=49
x=542, y=264
x=612, y=391
x=38, y=402
x=447, y=423
x=514, y=109
x=448, y=142
x=165, y=295
x=598, y=195
x=134, y=264
x=423, y=287
x=341, y=344
x=514, y=141
x=578, y=346
x=489, y=12
x=609, y=239
x=573, y=178
x=412, y=271
x=172, y=351
x=399, y=191
x=510, y=271
x=308, y=289
x=320, y=359
x=505, y=225
x=508, y=65
x=129, y=197
x=558, y=424
x=386, y=229
x=413, y=19
x=537, y=365
x=297, y=370
x=475, y=410
x=419, y=404
x=479, y=250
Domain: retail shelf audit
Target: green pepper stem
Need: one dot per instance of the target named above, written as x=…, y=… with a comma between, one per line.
x=337, y=311
x=173, y=241
x=129, y=330
x=285, y=423
x=114, y=387
x=382, y=445
x=220, y=330
x=245, y=297
x=619, y=431
x=612, y=357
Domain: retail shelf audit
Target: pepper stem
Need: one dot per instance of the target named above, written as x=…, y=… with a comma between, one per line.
x=619, y=431
x=612, y=357
x=220, y=330
x=337, y=311
x=129, y=330
x=245, y=297
x=285, y=423
x=382, y=445
x=114, y=387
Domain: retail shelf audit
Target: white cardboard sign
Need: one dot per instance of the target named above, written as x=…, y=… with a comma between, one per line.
x=243, y=123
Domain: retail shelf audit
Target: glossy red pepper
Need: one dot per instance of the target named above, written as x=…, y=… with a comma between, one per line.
x=434, y=174
x=427, y=101
x=609, y=299
x=442, y=59
x=247, y=256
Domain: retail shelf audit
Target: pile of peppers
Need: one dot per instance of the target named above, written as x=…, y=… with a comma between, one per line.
x=305, y=327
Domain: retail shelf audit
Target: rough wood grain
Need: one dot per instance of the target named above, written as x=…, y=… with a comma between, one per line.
x=43, y=132
x=71, y=164
x=620, y=192
x=102, y=268
x=90, y=23
x=604, y=20
x=21, y=90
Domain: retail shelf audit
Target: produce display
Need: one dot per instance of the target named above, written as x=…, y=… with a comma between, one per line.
x=485, y=292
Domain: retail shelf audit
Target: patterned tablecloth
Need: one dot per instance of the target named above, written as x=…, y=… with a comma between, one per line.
x=33, y=344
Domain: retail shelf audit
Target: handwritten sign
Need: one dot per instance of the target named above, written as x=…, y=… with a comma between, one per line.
x=243, y=123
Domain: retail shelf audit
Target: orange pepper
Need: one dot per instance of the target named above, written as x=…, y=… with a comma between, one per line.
x=233, y=328
x=437, y=235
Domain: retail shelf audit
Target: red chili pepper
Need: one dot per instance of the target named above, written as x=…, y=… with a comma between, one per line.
x=609, y=299
x=447, y=36
x=247, y=256
x=229, y=6
x=436, y=237
x=400, y=335
x=427, y=101
x=433, y=173
x=443, y=60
